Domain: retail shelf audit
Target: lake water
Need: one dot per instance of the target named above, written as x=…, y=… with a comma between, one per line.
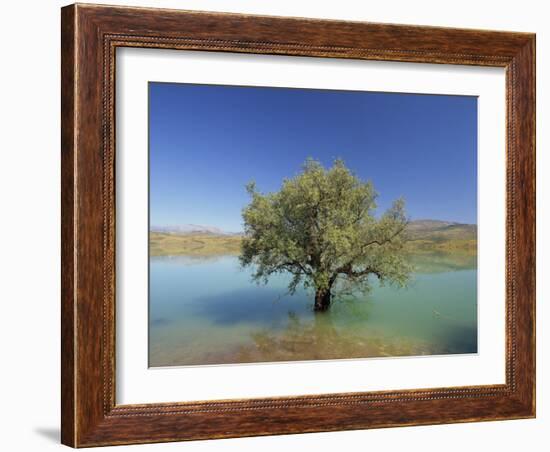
x=207, y=311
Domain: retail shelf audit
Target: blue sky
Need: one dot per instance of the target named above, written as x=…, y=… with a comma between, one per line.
x=206, y=142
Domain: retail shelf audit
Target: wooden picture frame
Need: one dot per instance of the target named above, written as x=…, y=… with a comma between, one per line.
x=90, y=35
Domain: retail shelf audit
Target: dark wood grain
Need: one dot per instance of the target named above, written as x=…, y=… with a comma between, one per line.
x=68, y=310
x=90, y=36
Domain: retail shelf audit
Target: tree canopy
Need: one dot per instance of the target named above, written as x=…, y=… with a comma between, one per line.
x=320, y=227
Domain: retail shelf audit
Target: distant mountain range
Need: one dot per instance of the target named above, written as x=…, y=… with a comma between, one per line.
x=417, y=230
x=183, y=229
x=436, y=230
x=424, y=236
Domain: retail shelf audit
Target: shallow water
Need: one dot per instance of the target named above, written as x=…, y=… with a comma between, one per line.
x=207, y=311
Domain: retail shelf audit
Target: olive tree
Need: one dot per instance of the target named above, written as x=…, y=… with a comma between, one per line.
x=320, y=227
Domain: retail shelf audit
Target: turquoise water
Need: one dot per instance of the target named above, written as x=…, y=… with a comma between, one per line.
x=207, y=311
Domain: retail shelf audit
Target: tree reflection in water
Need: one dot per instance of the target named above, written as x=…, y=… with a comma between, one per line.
x=319, y=338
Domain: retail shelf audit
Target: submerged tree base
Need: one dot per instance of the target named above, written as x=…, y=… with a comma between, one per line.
x=322, y=300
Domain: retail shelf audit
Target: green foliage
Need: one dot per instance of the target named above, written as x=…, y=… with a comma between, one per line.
x=320, y=227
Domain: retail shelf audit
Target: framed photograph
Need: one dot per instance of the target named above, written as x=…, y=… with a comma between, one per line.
x=280, y=225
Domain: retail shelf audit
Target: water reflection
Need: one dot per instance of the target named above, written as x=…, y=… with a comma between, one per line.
x=321, y=339
x=437, y=262
x=248, y=305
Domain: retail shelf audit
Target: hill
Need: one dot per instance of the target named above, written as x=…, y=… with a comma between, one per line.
x=193, y=244
x=435, y=235
x=187, y=229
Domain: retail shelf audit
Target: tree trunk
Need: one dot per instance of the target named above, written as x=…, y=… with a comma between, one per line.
x=322, y=300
